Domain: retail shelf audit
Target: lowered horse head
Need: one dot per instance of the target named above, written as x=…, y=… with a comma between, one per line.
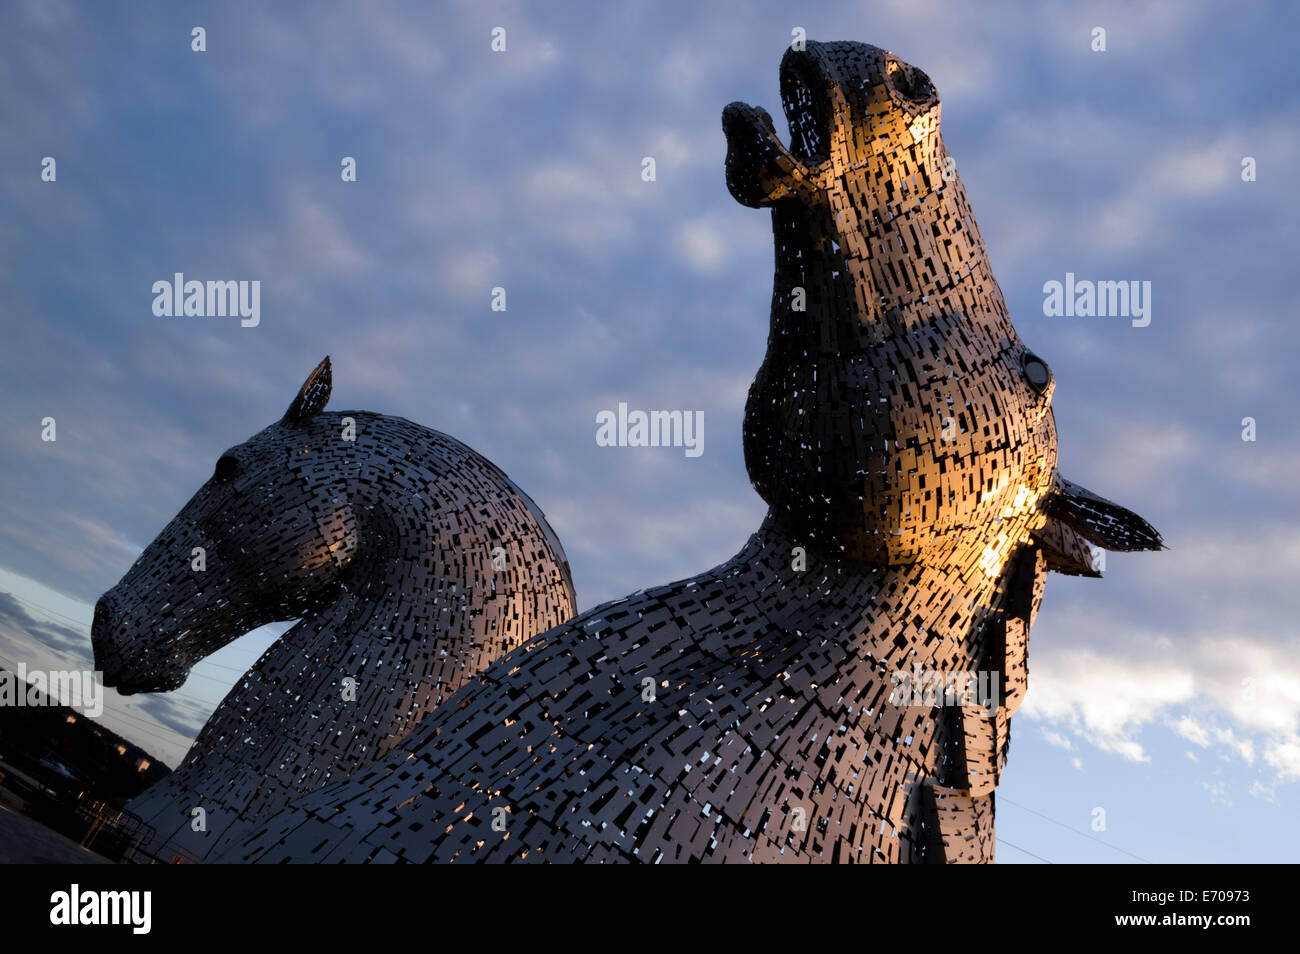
x=410, y=562
x=897, y=417
x=265, y=539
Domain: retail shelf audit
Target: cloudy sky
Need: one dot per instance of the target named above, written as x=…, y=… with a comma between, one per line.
x=1167, y=695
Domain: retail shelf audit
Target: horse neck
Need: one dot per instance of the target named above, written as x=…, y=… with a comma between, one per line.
x=375, y=592
x=865, y=607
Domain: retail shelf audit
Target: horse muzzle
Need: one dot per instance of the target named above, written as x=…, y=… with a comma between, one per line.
x=128, y=666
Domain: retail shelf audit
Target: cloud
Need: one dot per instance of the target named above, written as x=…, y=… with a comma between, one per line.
x=1055, y=738
x=1285, y=758
x=1188, y=729
x=472, y=273
x=701, y=247
x=66, y=641
x=1233, y=695
x=1265, y=793
x=1104, y=699
x=1218, y=792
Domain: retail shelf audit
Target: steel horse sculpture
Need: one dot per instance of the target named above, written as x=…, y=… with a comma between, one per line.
x=410, y=561
x=903, y=437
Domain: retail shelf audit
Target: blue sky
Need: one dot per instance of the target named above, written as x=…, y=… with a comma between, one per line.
x=1167, y=694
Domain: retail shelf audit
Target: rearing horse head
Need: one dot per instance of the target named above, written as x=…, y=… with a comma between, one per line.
x=265, y=539
x=897, y=417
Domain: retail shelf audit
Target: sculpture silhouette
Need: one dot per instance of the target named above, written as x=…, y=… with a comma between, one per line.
x=412, y=561
x=903, y=437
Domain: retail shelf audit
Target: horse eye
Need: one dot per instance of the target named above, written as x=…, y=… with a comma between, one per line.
x=228, y=468
x=1035, y=370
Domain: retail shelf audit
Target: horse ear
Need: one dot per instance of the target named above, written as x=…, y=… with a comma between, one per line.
x=1099, y=520
x=312, y=396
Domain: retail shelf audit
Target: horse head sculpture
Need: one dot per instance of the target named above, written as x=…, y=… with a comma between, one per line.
x=410, y=561
x=269, y=537
x=897, y=413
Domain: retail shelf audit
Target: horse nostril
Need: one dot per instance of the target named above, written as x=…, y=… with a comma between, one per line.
x=104, y=625
x=909, y=82
x=108, y=664
x=103, y=640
